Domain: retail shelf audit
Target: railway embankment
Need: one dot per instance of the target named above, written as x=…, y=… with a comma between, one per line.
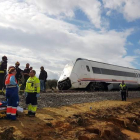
x=63, y=99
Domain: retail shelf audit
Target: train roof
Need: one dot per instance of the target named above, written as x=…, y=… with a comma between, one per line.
x=104, y=63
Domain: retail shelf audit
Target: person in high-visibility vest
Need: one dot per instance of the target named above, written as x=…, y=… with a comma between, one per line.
x=3, y=71
x=123, y=89
x=32, y=91
x=11, y=93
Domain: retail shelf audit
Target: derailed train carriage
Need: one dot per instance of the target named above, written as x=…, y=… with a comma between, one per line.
x=93, y=75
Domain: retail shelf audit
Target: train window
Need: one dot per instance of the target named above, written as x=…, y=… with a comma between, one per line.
x=88, y=68
x=130, y=74
x=106, y=71
x=117, y=73
x=113, y=72
x=127, y=74
x=122, y=73
x=96, y=70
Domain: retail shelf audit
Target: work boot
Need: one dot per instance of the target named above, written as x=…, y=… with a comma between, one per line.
x=32, y=114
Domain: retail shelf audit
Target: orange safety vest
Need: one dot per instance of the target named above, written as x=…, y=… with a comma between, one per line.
x=7, y=81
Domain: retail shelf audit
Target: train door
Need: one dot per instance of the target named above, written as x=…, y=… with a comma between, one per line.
x=85, y=74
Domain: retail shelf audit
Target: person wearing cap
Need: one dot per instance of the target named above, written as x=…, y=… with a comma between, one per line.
x=3, y=71
x=26, y=74
x=42, y=78
x=11, y=93
x=32, y=92
x=19, y=71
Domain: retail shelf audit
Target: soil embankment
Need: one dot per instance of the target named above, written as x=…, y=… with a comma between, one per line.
x=105, y=120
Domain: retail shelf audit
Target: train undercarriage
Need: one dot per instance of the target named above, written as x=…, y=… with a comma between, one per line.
x=64, y=85
x=100, y=86
x=97, y=86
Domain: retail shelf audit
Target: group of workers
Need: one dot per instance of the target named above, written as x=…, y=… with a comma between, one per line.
x=32, y=86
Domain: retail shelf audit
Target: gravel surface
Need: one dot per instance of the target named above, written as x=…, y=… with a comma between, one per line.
x=62, y=99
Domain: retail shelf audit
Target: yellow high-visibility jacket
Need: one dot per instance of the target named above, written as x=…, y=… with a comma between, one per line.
x=33, y=85
x=123, y=87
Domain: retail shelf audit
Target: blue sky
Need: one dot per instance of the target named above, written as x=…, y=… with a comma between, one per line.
x=53, y=33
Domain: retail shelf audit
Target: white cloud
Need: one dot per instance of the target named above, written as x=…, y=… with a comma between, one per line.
x=129, y=8
x=66, y=8
x=28, y=34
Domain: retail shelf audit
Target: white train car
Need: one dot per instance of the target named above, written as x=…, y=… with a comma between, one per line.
x=94, y=75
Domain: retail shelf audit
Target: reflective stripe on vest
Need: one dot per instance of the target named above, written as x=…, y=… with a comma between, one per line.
x=7, y=81
x=1, y=71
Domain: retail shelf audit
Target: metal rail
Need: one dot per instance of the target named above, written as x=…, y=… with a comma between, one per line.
x=84, y=91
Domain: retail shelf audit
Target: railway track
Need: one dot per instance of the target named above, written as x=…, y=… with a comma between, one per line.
x=84, y=91
x=75, y=91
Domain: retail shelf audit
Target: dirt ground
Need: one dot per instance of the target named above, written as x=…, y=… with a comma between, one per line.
x=106, y=120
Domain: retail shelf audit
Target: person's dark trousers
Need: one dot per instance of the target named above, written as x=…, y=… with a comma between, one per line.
x=31, y=101
x=1, y=82
x=123, y=94
x=25, y=80
x=44, y=85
